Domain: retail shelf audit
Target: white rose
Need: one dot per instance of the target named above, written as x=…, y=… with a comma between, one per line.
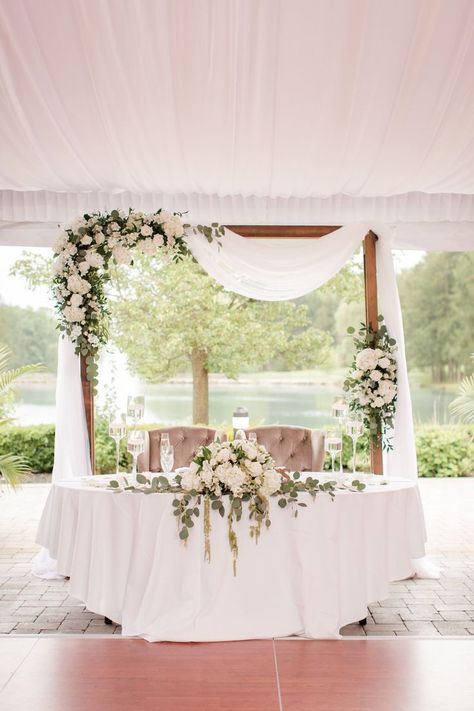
x=94, y=259
x=87, y=239
x=255, y=468
x=375, y=375
x=158, y=240
x=357, y=374
x=146, y=231
x=84, y=267
x=78, y=285
x=60, y=242
x=378, y=352
x=100, y=237
x=384, y=362
x=76, y=331
x=93, y=340
x=76, y=300
x=379, y=402
x=162, y=216
x=121, y=255
x=191, y=481
x=271, y=482
x=115, y=227
x=223, y=455
x=250, y=450
x=366, y=359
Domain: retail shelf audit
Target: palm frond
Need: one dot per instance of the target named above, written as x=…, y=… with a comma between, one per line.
x=12, y=468
x=9, y=376
x=463, y=406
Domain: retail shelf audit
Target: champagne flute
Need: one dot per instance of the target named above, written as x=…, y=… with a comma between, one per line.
x=240, y=435
x=135, y=445
x=252, y=437
x=117, y=430
x=164, y=441
x=135, y=407
x=333, y=443
x=339, y=411
x=354, y=429
x=167, y=460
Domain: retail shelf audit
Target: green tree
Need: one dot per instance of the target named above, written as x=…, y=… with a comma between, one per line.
x=167, y=320
x=437, y=296
x=30, y=335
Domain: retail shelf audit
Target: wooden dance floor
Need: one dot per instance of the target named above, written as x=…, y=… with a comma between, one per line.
x=77, y=674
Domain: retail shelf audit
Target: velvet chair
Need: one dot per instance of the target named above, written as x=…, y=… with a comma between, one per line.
x=296, y=448
x=185, y=441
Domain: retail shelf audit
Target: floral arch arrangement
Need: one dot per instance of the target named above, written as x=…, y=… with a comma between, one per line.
x=83, y=253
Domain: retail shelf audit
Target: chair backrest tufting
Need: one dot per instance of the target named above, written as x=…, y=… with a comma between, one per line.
x=185, y=441
x=296, y=448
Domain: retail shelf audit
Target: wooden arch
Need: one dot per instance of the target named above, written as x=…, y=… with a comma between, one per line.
x=280, y=232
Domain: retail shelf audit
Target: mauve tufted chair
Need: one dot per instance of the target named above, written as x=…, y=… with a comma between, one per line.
x=296, y=448
x=185, y=441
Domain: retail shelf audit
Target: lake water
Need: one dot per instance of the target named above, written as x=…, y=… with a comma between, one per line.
x=268, y=403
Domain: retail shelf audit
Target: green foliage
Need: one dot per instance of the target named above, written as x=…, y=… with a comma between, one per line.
x=446, y=451
x=35, y=269
x=12, y=465
x=437, y=296
x=463, y=406
x=162, y=316
x=172, y=319
x=34, y=443
x=30, y=335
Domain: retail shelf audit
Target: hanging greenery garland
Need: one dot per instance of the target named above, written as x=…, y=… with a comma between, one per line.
x=83, y=254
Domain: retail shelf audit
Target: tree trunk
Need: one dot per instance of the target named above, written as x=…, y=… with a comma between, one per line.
x=200, y=387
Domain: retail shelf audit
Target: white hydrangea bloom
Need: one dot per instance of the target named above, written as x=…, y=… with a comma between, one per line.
x=78, y=285
x=191, y=481
x=73, y=313
x=366, y=359
x=76, y=300
x=271, y=482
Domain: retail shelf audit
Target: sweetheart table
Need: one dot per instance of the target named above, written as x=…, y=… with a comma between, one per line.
x=308, y=575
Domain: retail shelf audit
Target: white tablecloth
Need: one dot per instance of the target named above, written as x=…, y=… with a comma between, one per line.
x=308, y=575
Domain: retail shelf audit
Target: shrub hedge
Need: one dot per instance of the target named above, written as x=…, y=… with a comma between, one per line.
x=443, y=450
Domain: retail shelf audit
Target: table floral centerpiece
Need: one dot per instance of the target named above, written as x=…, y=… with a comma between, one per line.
x=223, y=476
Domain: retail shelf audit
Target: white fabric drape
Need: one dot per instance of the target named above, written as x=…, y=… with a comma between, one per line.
x=276, y=270
x=71, y=441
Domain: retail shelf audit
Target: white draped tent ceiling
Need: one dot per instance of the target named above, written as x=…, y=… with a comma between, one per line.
x=242, y=112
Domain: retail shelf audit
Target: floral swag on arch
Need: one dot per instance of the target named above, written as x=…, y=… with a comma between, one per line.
x=83, y=252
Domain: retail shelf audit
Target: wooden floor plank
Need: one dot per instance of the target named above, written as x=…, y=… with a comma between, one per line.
x=97, y=675
x=377, y=675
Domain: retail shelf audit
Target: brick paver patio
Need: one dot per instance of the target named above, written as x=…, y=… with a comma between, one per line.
x=415, y=607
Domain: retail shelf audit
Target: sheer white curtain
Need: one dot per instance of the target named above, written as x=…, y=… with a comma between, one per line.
x=71, y=441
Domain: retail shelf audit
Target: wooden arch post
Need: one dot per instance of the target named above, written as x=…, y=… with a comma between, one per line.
x=278, y=232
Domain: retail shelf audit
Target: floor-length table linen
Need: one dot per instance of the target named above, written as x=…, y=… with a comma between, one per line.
x=308, y=575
